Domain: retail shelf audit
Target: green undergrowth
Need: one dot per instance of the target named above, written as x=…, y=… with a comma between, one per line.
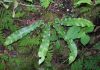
x=76, y=28
x=7, y=26
x=6, y=23
x=87, y=60
x=34, y=45
x=87, y=63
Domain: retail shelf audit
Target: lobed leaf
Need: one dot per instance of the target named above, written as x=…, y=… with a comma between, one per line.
x=85, y=39
x=21, y=33
x=79, y=2
x=73, y=51
x=76, y=22
x=45, y=44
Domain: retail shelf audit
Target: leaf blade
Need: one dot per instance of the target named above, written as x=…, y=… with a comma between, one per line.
x=76, y=22
x=44, y=45
x=78, y=3
x=22, y=32
x=85, y=39
x=72, y=33
x=73, y=51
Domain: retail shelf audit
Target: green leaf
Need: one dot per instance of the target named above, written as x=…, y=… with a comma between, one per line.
x=84, y=38
x=22, y=32
x=79, y=2
x=73, y=51
x=72, y=33
x=45, y=44
x=49, y=57
x=29, y=41
x=5, y=57
x=45, y=3
x=76, y=22
x=85, y=9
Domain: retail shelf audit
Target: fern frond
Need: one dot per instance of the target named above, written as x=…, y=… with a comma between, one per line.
x=49, y=56
x=73, y=51
x=84, y=38
x=76, y=22
x=72, y=33
x=7, y=21
x=28, y=41
x=79, y=2
x=45, y=44
x=22, y=32
x=79, y=28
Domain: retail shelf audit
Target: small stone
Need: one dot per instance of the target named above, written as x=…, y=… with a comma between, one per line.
x=67, y=9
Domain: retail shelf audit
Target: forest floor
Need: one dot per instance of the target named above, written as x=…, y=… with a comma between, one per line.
x=59, y=57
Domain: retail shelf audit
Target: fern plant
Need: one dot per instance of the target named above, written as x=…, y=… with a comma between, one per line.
x=76, y=28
